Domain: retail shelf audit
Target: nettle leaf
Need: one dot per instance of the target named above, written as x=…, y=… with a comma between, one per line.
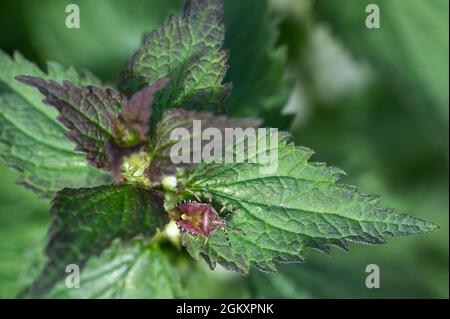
x=134, y=271
x=257, y=65
x=162, y=164
x=31, y=139
x=188, y=50
x=83, y=111
x=86, y=221
x=301, y=205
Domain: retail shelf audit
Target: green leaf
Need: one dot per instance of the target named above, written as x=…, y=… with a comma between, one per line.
x=31, y=140
x=301, y=205
x=162, y=163
x=84, y=112
x=188, y=50
x=86, y=221
x=133, y=271
x=257, y=64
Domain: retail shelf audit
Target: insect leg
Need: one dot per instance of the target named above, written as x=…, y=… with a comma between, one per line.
x=226, y=208
x=225, y=231
x=206, y=241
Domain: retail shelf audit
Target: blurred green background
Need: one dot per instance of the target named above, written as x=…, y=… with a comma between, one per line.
x=371, y=101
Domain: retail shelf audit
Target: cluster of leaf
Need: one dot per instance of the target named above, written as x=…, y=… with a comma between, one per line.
x=175, y=77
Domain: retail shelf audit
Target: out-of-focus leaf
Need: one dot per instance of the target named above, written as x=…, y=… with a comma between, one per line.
x=31, y=139
x=322, y=277
x=23, y=223
x=109, y=30
x=197, y=279
x=131, y=271
x=382, y=138
x=257, y=64
x=409, y=50
x=86, y=221
x=279, y=214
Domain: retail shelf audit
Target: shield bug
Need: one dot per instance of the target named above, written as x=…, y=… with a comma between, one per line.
x=197, y=218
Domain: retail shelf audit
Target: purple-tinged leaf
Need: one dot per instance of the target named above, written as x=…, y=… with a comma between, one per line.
x=83, y=112
x=32, y=141
x=133, y=124
x=102, y=122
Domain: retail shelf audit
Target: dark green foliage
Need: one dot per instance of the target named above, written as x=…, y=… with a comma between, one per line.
x=86, y=221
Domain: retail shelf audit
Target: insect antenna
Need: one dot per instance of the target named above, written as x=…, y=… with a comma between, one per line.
x=193, y=194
